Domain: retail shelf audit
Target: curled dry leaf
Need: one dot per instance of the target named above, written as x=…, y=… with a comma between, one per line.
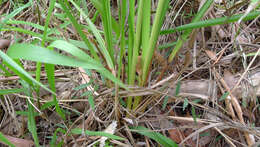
x=212, y=55
x=204, y=89
x=18, y=142
x=4, y=43
x=176, y=135
x=111, y=130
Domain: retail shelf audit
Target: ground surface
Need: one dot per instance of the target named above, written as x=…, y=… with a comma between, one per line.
x=207, y=96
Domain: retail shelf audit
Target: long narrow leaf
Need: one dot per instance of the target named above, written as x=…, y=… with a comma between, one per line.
x=131, y=38
x=40, y=54
x=10, y=91
x=96, y=133
x=122, y=21
x=14, y=13
x=31, y=113
x=20, y=71
x=3, y=139
x=32, y=125
x=99, y=38
x=72, y=49
x=159, y=17
x=66, y=8
x=135, y=53
x=164, y=141
x=146, y=29
x=149, y=44
x=6, y=72
x=104, y=8
x=211, y=22
x=49, y=68
x=54, y=137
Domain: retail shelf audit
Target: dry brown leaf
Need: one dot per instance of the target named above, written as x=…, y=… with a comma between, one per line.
x=250, y=140
x=187, y=60
x=18, y=142
x=212, y=55
x=4, y=43
x=205, y=140
x=176, y=135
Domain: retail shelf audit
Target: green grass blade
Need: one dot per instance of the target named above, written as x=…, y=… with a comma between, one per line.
x=178, y=87
x=166, y=45
x=32, y=52
x=31, y=113
x=54, y=137
x=212, y=22
x=72, y=49
x=78, y=28
x=79, y=44
x=14, y=13
x=149, y=43
x=131, y=38
x=137, y=42
x=104, y=8
x=5, y=140
x=94, y=18
x=32, y=125
x=116, y=27
x=96, y=133
x=146, y=30
x=50, y=69
x=41, y=54
x=224, y=96
x=185, y=104
x=105, y=52
x=6, y=72
x=10, y=91
x=159, y=138
x=165, y=101
x=91, y=101
x=108, y=28
x=136, y=46
x=122, y=21
x=122, y=10
x=34, y=25
x=47, y=21
x=38, y=66
x=48, y=105
x=159, y=17
x=20, y=71
x=193, y=113
x=252, y=54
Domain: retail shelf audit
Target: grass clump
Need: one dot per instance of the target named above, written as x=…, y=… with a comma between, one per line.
x=114, y=45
